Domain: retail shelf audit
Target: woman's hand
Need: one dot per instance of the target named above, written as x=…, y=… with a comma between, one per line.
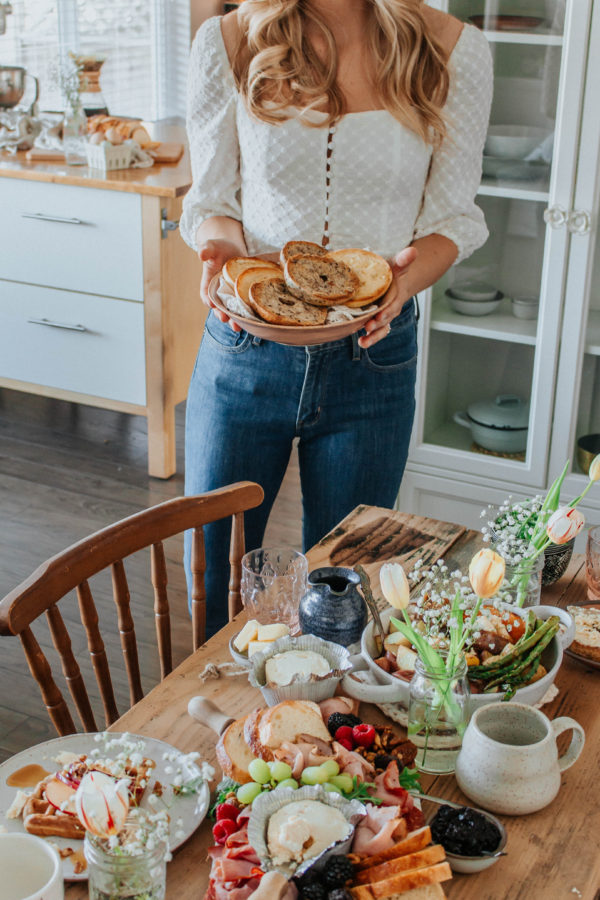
x=397, y=295
x=214, y=254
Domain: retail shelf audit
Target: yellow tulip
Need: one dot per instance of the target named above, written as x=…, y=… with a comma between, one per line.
x=564, y=524
x=394, y=585
x=486, y=572
x=594, y=470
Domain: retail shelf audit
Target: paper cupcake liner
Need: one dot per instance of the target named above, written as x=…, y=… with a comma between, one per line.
x=267, y=804
x=302, y=687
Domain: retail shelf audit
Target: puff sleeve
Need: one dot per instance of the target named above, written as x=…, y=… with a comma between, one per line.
x=449, y=206
x=212, y=133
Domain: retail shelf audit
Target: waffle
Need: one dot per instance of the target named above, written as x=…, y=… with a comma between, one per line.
x=41, y=818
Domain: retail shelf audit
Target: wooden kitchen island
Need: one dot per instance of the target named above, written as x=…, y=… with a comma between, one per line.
x=99, y=295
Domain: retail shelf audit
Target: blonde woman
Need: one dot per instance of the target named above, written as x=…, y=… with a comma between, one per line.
x=350, y=123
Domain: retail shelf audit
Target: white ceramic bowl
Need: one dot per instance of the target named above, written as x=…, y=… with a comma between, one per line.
x=389, y=689
x=473, y=307
x=30, y=869
x=525, y=307
x=513, y=141
x=468, y=865
x=474, y=290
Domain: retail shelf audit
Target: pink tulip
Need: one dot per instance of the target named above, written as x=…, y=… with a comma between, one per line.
x=486, y=572
x=102, y=803
x=565, y=523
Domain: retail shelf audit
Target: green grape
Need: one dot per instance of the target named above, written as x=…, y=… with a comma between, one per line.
x=331, y=767
x=259, y=771
x=280, y=771
x=313, y=775
x=332, y=788
x=246, y=793
x=343, y=782
x=288, y=783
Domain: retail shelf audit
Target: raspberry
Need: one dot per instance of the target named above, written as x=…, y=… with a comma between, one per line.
x=344, y=732
x=223, y=829
x=363, y=735
x=346, y=743
x=227, y=811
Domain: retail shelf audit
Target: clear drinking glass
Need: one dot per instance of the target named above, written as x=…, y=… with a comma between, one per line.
x=273, y=581
x=592, y=564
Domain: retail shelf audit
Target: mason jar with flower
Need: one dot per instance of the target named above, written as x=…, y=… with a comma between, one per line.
x=438, y=710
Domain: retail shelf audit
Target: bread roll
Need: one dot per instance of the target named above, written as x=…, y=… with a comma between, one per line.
x=234, y=267
x=320, y=281
x=271, y=300
x=250, y=276
x=300, y=248
x=373, y=272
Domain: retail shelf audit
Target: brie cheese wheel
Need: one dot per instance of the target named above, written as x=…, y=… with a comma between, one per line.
x=302, y=829
x=281, y=668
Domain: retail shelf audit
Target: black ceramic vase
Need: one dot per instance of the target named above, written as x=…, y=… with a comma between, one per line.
x=332, y=608
x=556, y=559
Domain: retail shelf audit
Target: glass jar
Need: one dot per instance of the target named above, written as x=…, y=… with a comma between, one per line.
x=438, y=713
x=74, y=136
x=117, y=875
x=522, y=583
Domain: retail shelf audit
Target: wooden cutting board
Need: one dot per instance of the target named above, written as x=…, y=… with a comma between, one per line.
x=162, y=153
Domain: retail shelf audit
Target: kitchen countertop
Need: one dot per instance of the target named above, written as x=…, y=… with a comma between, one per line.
x=162, y=180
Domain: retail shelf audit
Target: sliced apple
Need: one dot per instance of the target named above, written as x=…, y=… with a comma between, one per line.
x=61, y=796
x=69, y=779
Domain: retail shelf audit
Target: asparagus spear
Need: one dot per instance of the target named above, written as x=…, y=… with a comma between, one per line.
x=524, y=644
x=516, y=670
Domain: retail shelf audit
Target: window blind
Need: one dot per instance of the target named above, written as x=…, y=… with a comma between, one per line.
x=146, y=44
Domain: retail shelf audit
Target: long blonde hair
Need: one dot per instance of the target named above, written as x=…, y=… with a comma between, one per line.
x=276, y=67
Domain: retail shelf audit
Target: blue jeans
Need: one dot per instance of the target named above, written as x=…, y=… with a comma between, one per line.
x=351, y=409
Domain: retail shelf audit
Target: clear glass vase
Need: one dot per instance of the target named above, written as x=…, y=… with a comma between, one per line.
x=117, y=874
x=522, y=583
x=438, y=713
x=74, y=136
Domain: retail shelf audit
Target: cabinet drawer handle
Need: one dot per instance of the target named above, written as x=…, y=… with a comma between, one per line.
x=51, y=324
x=555, y=216
x=41, y=217
x=580, y=222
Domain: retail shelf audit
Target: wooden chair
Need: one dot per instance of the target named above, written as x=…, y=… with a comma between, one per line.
x=71, y=569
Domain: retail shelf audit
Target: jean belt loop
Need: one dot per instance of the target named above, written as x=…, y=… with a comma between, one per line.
x=257, y=341
x=417, y=308
x=356, y=348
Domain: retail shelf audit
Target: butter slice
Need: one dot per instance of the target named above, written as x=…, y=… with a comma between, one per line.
x=256, y=647
x=272, y=632
x=247, y=634
x=283, y=667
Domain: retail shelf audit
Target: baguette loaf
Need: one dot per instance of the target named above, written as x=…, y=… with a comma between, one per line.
x=238, y=264
x=404, y=881
x=300, y=248
x=233, y=753
x=271, y=300
x=373, y=272
x=319, y=281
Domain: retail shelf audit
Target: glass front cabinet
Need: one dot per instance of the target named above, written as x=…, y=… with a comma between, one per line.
x=511, y=336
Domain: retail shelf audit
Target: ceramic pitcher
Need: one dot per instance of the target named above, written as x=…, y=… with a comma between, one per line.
x=333, y=608
x=509, y=760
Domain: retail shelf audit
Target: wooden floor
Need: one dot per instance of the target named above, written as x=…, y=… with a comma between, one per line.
x=65, y=471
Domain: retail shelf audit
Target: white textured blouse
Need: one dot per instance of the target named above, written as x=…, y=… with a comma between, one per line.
x=380, y=187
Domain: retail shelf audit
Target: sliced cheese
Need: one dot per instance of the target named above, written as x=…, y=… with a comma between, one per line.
x=247, y=634
x=272, y=632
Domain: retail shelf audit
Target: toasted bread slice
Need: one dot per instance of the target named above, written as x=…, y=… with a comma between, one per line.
x=252, y=738
x=426, y=857
x=413, y=842
x=373, y=272
x=233, y=753
x=271, y=300
x=251, y=276
x=300, y=248
x=320, y=280
x=234, y=267
x=404, y=881
x=285, y=721
x=427, y=892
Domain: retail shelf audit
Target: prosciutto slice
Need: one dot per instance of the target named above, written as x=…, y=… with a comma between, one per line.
x=352, y=763
x=381, y=828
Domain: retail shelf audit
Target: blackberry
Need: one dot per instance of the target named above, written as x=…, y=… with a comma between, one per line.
x=336, y=720
x=337, y=872
x=313, y=891
x=339, y=894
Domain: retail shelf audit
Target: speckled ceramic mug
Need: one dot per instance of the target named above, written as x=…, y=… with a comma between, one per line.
x=509, y=762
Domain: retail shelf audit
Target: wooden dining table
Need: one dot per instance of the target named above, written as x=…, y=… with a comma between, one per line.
x=552, y=854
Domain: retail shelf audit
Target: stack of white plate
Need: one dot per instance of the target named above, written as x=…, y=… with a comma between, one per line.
x=474, y=298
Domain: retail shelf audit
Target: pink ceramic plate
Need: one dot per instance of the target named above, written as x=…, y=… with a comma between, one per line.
x=297, y=335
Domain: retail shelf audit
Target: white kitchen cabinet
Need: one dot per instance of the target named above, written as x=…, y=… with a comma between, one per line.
x=99, y=296
x=535, y=213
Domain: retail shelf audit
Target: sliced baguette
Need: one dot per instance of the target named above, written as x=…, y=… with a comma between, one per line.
x=373, y=272
x=413, y=842
x=233, y=753
x=285, y=721
x=271, y=300
x=404, y=881
x=426, y=857
x=251, y=276
x=300, y=248
x=234, y=267
x=320, y=281
x=252, y=738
